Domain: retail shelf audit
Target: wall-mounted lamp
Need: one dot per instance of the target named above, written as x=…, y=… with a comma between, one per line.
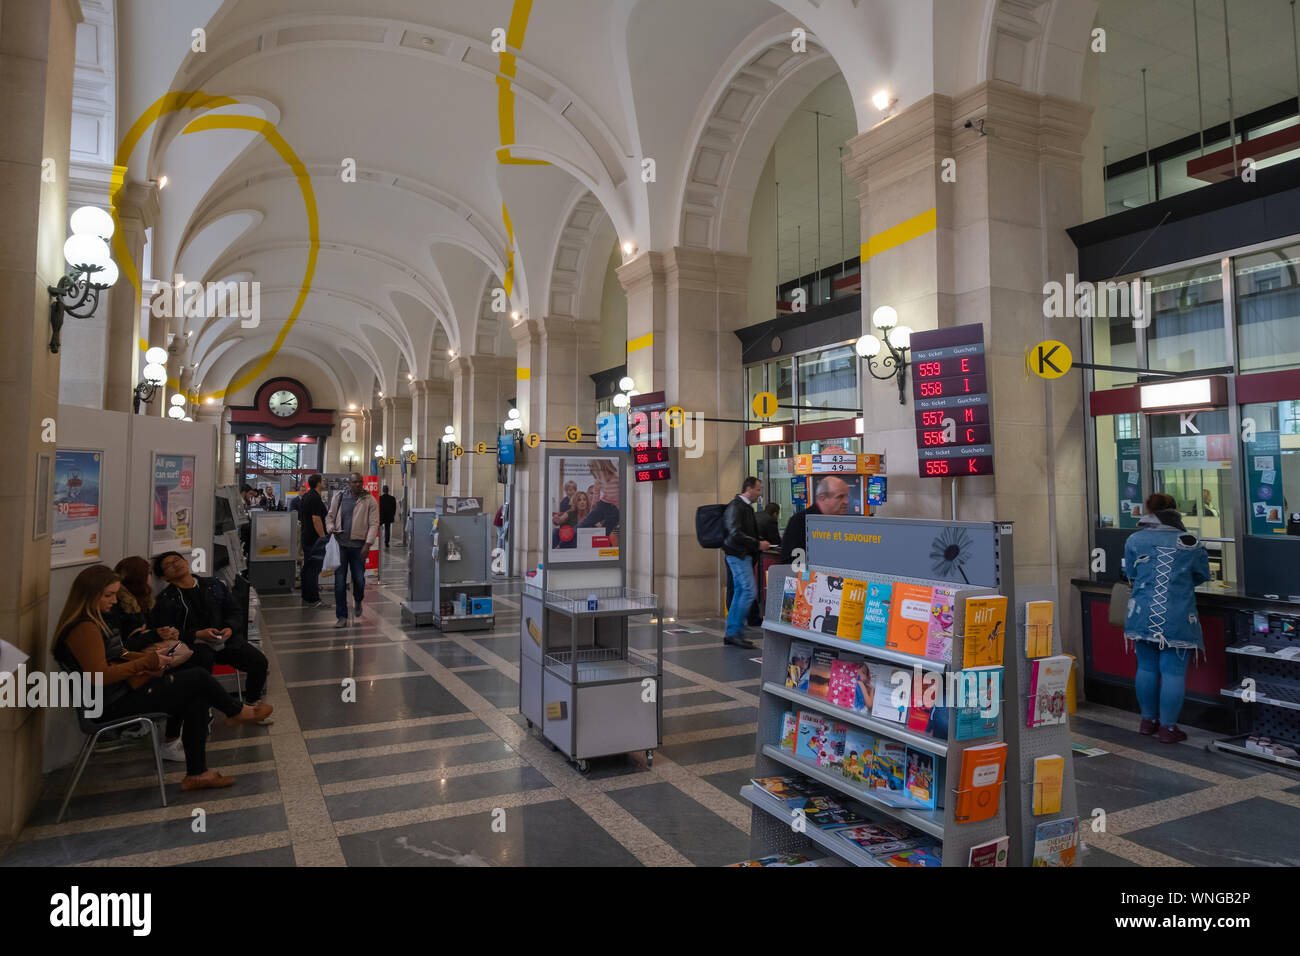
x=92, y=269
x=449, y=434
x=407, y=446
x=514, y=316
x=379, y=451
x=512, y=422
x=898, y=339
x=155, y=373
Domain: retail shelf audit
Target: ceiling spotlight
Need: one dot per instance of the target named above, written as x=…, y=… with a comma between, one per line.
x=884, y=101
x=381, y=394
x=451, y=353
x=162, y=182
x=629, y=248
x=352, y=406
x=514, y=316
x=410, y=376
x=208, y=401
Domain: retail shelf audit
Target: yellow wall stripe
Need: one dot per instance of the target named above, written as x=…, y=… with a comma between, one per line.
x=640, y=342
x=523, y=374
x=144, y=346
x=905, y=231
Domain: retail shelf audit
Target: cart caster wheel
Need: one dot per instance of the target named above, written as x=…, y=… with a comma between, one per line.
x=529, y=723
x=583, y=766
x=649, y=758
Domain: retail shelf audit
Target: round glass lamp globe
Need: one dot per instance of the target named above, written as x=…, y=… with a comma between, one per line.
x=156, y=356
x=867, y=346
x=175, y=412
x=901, y=337
x=91, y=221
x=84, y=250
x=625, y=383
x=884, y=317
x=177, y=399
x=449, y=430
x=513, y=413
x=620, y=400
x=155, y=374
x=106, y=276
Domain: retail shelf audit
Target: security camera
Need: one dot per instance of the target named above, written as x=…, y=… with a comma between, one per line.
x=977, y=125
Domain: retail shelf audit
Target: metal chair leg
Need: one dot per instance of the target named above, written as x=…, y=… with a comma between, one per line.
x=157, y=759
x=82, y=757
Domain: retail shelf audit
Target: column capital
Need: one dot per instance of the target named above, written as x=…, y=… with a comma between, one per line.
x=430, y=387
x=396, y=403
x=641, y=272
x=703, y=270
x=526, y=332
x=137, y=203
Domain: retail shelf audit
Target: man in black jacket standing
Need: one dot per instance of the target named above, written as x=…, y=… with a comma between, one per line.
x=210, y=621
x=387, y=512
x=830, y=498
x=742, y=546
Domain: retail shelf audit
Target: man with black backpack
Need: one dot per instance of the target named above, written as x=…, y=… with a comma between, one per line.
x=741, y=546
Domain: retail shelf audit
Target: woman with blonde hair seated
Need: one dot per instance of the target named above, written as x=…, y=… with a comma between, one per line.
x=142, y=682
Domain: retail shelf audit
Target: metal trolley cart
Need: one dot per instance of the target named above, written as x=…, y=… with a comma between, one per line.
x=590, y=693
x=580, y=681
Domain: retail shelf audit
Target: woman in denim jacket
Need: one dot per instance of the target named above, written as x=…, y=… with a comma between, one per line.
x=1165, y=563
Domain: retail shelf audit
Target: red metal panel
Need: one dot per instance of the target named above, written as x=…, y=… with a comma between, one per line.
x=1223, y=163
x=1110, y=656
x=1268, y=386
x=1114, y=401
x=817, y=431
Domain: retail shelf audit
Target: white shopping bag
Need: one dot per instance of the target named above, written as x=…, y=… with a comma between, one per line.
x=332, y=556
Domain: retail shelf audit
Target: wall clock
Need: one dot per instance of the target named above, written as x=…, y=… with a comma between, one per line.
x=283, y=403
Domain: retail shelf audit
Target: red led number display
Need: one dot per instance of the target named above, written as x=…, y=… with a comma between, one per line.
x=957, y=466
x=654, y=474
x=951, y=386
x=967, y=415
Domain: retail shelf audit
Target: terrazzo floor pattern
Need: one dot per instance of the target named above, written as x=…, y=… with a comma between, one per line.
x=432, y=765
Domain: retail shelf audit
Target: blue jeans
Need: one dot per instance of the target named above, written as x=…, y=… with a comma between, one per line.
x=742, y=573
x=350, y=559
x=311, y=564
x=1160, y=681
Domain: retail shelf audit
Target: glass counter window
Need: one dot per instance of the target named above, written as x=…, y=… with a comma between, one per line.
x=1268, y=309
x=1272, y=466
x=1187, y=322
x=1195, y=468
x=828, y=380
x=1119, y=471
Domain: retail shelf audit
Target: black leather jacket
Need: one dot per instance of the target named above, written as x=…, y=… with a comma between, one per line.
x=223, y=611
x=741, y=529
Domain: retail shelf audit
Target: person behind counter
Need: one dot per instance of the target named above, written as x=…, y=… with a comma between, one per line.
x=830, y=497
x=768, y=529
x=1165, y=563
x=144, y=682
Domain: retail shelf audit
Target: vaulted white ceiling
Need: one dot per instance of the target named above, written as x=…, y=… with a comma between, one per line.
x=411, y=92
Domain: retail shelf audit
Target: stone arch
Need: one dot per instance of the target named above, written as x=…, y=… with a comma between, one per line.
x=1038, y=45
x=752, y=98
x=578, y=266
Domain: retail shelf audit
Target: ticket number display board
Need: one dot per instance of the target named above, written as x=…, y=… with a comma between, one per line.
x=954, y=425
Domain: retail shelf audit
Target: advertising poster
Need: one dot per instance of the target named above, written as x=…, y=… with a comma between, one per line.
x=1263, y=461
x=173, y=504
x=584, y=508
x=1128, y=462
x=75, y=524
x=272, y=535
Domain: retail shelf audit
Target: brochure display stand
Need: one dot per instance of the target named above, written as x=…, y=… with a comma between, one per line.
x=1265, y=659
x=462, y=587
x=580, y=682
x=886, y=731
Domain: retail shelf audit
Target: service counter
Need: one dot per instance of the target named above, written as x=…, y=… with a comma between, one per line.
x=1227, y=616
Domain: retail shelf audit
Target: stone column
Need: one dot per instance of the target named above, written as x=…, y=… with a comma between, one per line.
x=37, y=50
x=214, y=414
x=396, y=426
x=137, y=210
x=1000, y=237
x=368, y=439
x=683, y=307
x=528, y=526
x=430, y=414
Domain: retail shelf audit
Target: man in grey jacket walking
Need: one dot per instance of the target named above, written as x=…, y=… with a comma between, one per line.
x=353, y=519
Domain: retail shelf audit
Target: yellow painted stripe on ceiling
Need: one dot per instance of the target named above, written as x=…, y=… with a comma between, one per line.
x=518, y=23
x=523, y=374
x=640, y=342
x=905, y=231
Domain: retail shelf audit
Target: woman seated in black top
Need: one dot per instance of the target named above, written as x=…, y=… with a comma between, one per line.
x=147, y=681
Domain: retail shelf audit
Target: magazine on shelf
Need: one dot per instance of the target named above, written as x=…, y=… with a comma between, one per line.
x=1049, y=778
x=929, y=854
x=875, y=614
x=984, y=627
x=830, y=744
x=873, y=835
x=1049, y=681
x=792, y=791
x=979, y=684
x=979, y=791
x=938, y=642
x=990, y=854
x=1056, y=842
x=843, y=686
x=890, y=699
x=800, y=662
x=909, y=618
x=828, y=589
x=920, y=777
x=859, y=749
x=779, y=860
x=852, y=605
x=887, y=766
x=819, y=675
x=789, y=729
x=808, y=735
x=1038, y=629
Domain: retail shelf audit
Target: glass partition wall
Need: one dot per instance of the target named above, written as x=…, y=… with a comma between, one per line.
x=1234, y=471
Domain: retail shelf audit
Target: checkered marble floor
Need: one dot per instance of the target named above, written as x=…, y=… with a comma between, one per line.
x=432, y=765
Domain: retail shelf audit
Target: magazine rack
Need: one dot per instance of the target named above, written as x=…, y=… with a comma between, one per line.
x=902, y=545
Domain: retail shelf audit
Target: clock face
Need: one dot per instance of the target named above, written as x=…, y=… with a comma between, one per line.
x=284, y=404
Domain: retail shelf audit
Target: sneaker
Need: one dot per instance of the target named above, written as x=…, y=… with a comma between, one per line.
x=313, y=604
x=173, y=750
x=1171, y=735
x=341, y=622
